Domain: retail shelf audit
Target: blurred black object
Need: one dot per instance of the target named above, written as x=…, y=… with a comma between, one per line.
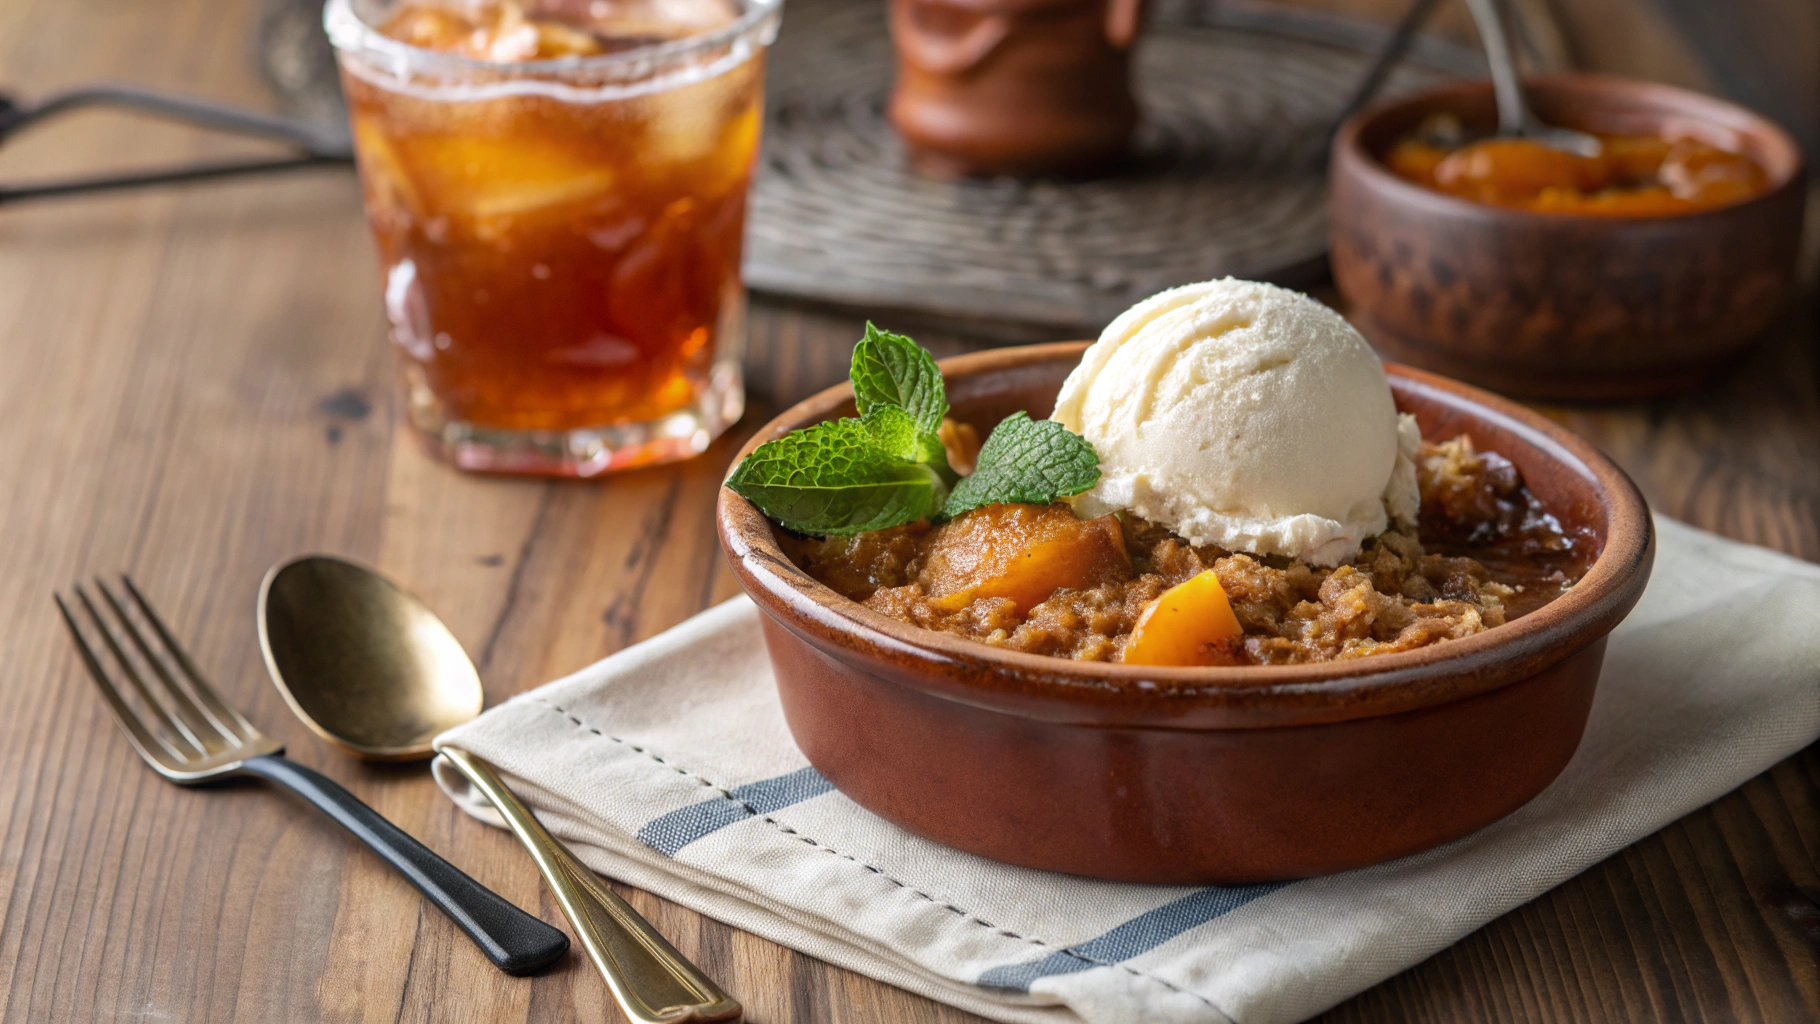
x=318, y=144
x=294, y=56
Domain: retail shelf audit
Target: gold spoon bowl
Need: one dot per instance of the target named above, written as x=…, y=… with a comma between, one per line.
x=372, y=670
x=380, y=675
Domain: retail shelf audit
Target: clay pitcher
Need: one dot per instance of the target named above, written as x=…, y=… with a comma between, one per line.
x=1015, y=87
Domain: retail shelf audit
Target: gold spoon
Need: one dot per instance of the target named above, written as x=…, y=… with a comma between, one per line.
x=373, y=671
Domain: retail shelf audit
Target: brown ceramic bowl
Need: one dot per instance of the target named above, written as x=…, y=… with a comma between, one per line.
x=1197, y=775
x=1563, y=306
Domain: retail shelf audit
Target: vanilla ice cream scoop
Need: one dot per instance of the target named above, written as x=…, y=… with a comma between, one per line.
x=1244, y=416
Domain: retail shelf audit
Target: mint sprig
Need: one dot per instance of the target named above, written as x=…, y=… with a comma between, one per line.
x=892, y=429
x=835, y=478
x=1026, y=460
x=889, y=467
x=890, y=369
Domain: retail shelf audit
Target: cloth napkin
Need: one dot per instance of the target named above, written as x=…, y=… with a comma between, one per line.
x=669, y=766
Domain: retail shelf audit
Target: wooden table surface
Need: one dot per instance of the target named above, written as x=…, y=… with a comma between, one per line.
x=195, y=384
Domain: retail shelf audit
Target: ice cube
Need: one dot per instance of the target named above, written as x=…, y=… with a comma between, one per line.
x=494, y=177
x=431, y=27
x=517, y=197
x=493, y=31
x=391, y=195
x=663, y=19
x=689, y=123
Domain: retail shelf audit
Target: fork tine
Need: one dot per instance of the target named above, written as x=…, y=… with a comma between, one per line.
x=143, y=739
x=171, y=725
x=201, y=724
x=222, y=712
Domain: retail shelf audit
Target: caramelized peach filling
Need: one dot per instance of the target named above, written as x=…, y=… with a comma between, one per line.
x=1633, y=175
x=1034, y=578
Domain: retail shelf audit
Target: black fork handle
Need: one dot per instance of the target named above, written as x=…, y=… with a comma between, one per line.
x=515, y=941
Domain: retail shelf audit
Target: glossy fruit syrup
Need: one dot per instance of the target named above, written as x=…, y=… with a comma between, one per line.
x=1632, y=176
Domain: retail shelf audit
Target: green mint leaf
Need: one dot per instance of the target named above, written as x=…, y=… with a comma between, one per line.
x=885, y=468
x=1026, y=460
x=835, y=478
x=893, y=430
x=890, y=369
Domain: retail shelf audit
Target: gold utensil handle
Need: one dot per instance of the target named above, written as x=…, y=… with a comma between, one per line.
x=653, y=983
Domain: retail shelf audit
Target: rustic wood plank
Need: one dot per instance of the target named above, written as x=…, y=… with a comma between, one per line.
x=154, y=362
x=139, y=438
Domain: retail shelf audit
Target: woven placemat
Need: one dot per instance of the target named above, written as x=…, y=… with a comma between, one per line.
x=1220, y=181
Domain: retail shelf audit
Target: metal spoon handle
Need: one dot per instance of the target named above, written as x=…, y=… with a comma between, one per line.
x=515, y=941
x=1514, y=117
x=652, y=982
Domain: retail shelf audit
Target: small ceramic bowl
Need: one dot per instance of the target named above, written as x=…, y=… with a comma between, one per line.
x=1563, y=306
x=1197, y=775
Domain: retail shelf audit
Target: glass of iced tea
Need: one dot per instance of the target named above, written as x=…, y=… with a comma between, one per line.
x=558, y=192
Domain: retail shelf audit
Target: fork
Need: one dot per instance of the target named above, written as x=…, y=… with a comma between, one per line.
x=191, y=736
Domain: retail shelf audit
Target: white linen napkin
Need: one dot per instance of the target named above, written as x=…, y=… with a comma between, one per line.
x=668, y=765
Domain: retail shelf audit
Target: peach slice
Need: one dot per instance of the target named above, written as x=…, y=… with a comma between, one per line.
x=1178, y=627
x=1021, y=552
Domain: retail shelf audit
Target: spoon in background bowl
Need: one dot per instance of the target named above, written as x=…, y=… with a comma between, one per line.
x=372, y=670
x=1515, y=118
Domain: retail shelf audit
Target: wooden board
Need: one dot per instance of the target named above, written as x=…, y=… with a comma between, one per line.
x=195, y=384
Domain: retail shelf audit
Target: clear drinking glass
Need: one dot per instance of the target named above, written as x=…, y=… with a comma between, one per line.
x=560, y=237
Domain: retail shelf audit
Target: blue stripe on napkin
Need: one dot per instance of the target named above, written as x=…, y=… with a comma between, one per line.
x=1139, y=935
x=677, y=829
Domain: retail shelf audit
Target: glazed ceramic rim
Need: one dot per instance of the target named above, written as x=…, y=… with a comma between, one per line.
x=1238, y=697
x=1693, y=106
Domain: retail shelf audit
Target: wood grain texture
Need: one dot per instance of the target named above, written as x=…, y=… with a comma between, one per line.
x=194, y=385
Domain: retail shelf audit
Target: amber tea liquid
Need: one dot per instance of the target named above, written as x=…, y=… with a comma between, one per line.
x=560, y=252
